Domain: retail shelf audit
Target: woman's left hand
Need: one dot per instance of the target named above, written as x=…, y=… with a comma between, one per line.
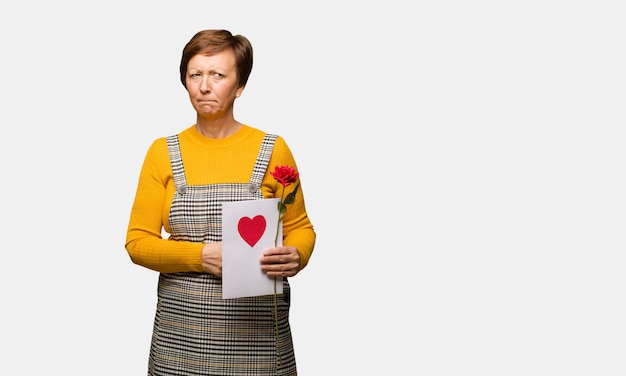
x=281, y=261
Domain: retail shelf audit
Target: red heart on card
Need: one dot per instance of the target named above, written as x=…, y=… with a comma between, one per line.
x=251, y=230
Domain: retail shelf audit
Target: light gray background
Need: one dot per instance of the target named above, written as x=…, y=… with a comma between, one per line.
x=463, y=164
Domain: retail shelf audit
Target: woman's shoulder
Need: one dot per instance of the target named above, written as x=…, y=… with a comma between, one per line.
x=157, y=149
x=253, y=131
x=161, y=142
x=258, y=134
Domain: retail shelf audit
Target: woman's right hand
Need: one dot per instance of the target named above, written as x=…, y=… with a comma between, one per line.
x=212, y=258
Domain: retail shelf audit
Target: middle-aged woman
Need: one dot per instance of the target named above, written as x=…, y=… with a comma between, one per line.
x=184, y=180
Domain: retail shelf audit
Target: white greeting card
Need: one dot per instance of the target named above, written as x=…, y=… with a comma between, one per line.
x=248, y=229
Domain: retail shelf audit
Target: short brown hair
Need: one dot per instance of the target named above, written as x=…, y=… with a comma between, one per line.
x=210, y=42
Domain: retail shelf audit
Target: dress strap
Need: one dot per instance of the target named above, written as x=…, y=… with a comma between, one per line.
x=178, y=170
x=262, y=160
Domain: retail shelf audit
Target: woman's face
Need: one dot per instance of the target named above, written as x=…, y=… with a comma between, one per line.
x=212, y=83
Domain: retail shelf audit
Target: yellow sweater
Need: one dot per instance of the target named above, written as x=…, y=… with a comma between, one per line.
x=206, y=161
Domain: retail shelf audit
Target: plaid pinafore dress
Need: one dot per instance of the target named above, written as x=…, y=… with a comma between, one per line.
x=196, y=332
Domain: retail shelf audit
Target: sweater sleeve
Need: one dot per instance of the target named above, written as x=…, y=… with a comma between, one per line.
x=298, y=230
x=144, y=242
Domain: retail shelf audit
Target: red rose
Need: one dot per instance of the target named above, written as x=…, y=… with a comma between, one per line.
x=285, y=175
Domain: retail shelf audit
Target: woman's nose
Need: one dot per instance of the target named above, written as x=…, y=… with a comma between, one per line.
x=205, y=85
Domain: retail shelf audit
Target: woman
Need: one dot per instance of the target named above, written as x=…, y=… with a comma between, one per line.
x=183, y=182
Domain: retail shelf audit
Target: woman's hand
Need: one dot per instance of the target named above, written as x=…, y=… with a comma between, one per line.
x=212, y=258
x=281, y=261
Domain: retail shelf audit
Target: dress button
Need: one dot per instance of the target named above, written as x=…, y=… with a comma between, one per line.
x=181, y=190
x=253, y=187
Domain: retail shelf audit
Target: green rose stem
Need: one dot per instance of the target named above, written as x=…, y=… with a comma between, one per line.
x=285, y=175
x=281, y=209
x=280, y=357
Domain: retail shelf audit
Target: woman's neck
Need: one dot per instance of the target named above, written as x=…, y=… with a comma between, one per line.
x=217, y=129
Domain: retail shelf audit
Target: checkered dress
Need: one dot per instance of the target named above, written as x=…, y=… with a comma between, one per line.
x=196, y=332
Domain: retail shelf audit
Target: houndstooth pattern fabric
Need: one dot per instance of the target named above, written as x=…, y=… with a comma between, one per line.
x=196, y=332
